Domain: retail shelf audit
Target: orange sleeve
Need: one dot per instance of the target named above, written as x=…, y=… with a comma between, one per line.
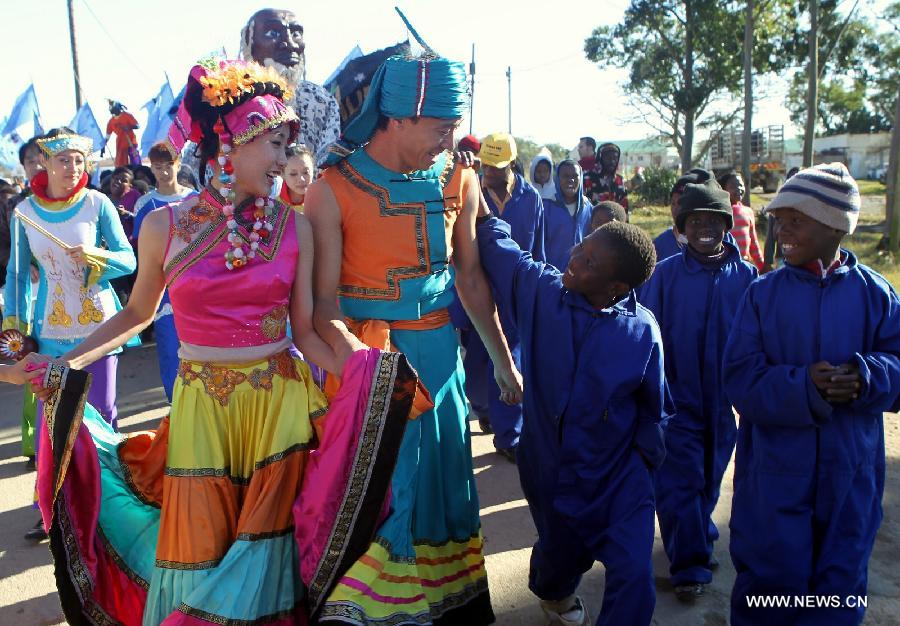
x=755, y=253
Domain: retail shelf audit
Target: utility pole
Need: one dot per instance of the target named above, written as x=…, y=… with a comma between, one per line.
x=812, y=95
x=748, y=101
x=892, y=217
x=472, y=90
x=509, y=96
x=69, y=4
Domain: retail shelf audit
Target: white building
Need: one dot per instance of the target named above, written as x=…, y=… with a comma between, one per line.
x=651, y=152
x=861, y=153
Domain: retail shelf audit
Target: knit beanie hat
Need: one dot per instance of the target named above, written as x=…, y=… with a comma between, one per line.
x=826, y=193
x=708, y=197
x=696, y=175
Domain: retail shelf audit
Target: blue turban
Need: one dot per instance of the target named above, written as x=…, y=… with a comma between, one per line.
x=406, y=87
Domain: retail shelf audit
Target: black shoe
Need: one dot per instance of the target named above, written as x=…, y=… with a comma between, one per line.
x=29, y=464
x=37, y=533
x=507, y=453
x=485, y=424
x=689, y=593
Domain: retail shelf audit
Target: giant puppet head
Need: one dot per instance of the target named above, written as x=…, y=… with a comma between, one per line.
x=274, y=38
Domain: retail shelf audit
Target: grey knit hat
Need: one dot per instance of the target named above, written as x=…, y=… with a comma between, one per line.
x=826, y=193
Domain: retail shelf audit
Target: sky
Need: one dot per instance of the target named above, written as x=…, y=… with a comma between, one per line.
x=127, y=48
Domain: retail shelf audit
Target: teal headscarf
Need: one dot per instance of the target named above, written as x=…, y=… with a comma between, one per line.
x=406, y=87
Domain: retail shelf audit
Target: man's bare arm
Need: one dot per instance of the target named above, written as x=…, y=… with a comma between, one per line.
x=321, y=208
x=475, y=295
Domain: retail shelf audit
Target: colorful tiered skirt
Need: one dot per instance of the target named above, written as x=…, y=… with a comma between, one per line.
x=200, y=522
x=425, y=564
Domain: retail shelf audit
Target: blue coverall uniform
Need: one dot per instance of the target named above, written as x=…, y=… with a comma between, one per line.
x=594, y=402
x=809, y=475
x=695, y=303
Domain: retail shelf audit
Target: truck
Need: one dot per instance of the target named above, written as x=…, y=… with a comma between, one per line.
x=767, y=159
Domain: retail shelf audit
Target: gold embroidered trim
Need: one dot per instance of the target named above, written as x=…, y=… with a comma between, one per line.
x=187, y=566
x=220, y=382
x=120, y=562
x=274, y=322
x=253, y=132
x=212, y=618
x=209, y=238
x=189, y=223
x=360, y=476
x=273, y=534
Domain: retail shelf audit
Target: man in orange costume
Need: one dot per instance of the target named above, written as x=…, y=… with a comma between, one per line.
x=123, y=124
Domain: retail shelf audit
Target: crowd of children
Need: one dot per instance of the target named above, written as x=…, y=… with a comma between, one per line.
x=637, y=392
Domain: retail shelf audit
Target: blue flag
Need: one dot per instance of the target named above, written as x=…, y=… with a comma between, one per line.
x=158, y=117
x=85, y=124
x=25, y=110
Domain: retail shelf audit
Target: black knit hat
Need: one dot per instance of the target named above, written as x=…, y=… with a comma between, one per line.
x=696, y=175
x=708, y=197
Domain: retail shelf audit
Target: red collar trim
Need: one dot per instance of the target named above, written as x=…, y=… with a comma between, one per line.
x=41, y=180
x=819, y=269
x=285, y=196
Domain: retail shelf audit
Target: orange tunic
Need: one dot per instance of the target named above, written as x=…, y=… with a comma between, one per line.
x=122, y=125
x=420, y=234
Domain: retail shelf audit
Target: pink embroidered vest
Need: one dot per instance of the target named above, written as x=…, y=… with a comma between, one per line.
x=217, y=307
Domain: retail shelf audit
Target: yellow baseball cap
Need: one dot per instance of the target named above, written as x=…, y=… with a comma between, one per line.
x=498, y=150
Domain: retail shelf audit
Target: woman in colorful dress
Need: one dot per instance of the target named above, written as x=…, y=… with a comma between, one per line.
x=76, y=239
x=196, y=523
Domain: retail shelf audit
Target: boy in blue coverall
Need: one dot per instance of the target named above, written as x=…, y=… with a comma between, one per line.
x=694, y=296
x=592, y=361
x=567, y=219
x=811, y=364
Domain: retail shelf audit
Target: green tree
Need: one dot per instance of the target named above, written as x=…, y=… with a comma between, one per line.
x=528, y=149
x=885, y=80
x=684, y=60
x=842, y=106
x=859, y=72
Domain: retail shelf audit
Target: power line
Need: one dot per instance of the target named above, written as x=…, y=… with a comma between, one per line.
x=114, y=42
x=539, y=66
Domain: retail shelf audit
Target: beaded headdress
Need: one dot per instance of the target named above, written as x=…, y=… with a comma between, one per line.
x=51, y=146
x=224, y=83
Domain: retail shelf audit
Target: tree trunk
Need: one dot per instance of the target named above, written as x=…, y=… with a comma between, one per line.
x=688, y=76
x=892, y=219
x=812, y=94
x=748, y=101
x=687, y=153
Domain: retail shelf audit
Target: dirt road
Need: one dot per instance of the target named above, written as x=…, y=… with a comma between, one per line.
x=28, y=596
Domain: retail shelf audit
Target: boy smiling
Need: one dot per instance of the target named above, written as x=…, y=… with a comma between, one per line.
x=695, y=295
x=812, y=363
x=595, y=396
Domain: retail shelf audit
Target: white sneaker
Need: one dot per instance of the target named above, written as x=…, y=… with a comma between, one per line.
x=568, y=612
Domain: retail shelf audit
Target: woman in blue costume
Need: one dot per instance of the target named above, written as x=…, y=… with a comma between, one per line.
x=390, y=214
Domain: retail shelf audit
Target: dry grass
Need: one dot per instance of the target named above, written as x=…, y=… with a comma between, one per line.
x=863, y=243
